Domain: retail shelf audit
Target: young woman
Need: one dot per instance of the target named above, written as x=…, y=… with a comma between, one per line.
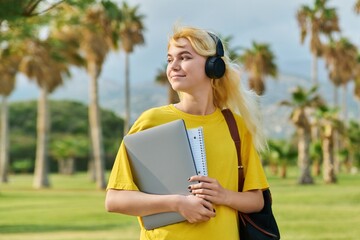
x=205, y=88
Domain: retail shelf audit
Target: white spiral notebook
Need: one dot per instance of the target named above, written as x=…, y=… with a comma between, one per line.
x=196, y=139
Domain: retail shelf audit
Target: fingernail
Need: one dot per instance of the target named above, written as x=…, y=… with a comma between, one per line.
x=188, y=179
x=214, y=210
x=189, y=187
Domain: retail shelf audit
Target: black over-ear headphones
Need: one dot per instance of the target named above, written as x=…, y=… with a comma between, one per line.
x=215, y=65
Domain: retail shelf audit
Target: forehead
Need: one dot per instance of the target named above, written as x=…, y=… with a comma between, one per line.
x=180, y=45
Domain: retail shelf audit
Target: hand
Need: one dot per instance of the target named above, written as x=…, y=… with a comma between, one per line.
x=195, y=209
x=209, y=189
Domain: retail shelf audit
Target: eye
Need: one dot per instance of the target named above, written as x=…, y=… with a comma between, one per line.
x=169, y=60
x=185, y=57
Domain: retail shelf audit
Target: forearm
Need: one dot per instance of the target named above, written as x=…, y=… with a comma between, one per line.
x=211, y=190
x=247, y=202
x=138, y=203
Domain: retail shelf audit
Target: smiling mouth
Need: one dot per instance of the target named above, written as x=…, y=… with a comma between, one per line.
x=177, y=76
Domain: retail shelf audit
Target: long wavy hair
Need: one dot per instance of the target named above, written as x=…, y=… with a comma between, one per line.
x=228, y=91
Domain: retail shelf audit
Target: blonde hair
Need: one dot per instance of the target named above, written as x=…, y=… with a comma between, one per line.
x=228, y=91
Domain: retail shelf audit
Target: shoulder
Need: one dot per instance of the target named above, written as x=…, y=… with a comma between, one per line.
x=151, y=117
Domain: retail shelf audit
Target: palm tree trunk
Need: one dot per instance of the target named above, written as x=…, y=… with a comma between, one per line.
x=344, y=103
x=336, y=96
x=95, y=126
x=4, y=141
x=314, y=70
x=127, y=95
x=41, y=179
x=283, y=172
x=328, y=154
x=303, y=157
x=91, y=165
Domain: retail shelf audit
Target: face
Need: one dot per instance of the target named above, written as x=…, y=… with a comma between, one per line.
x=186, y=69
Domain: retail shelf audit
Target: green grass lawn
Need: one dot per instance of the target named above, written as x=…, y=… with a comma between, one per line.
x=73, y=209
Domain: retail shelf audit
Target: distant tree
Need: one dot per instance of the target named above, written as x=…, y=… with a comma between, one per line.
x=22, y=121
x=10, y=10
x=330, y=124
x=95, y=47
x=232, y=51
x=43, y=64
x=9, y=62
x=357, y=7
x=357, y=82
x=301, y=100
x=66, y=148
x=353, y=138
x=341, y=60
x=259, y=62
x=317, y=20
x=281, y=152
x=131, y=34
x=89, y=29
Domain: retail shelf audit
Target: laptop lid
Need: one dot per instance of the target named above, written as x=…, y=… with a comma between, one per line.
x=161, y=162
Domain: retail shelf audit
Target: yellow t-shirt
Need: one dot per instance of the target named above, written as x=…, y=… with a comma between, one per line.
x=222, y=165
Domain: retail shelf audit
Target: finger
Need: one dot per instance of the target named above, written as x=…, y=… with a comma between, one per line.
x=201, y=185
x=211, y=210
x=200, y=178
x=203, y=191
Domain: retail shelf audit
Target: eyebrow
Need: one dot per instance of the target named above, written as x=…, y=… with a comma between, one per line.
x=180, y=53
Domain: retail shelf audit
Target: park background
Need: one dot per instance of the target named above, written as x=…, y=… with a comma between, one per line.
x=70, y=206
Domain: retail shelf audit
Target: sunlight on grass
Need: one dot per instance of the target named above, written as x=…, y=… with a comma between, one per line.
x=73, y=209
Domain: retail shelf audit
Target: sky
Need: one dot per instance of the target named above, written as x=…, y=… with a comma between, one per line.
x=270, y=21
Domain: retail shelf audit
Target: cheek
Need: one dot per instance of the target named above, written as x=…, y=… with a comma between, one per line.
x=167, y=71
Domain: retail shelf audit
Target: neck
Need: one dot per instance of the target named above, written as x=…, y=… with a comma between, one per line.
x=196, y=106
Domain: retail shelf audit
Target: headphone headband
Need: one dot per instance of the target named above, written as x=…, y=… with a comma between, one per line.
x=219, y=46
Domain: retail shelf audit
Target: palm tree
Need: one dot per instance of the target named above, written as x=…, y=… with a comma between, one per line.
x=162, y=79
x=353, y=142
x=302, y=100
x=316, y=20
x=9, y=62
x=232, y=51
x=11, y=10
x=341, y=60
x=41, y=64
x=66, y=148
x=259, y=62
x=357, y=7
x=95, y=46
x=330, y=124
x=281, y=152
x=131, y=34
x=357, y=81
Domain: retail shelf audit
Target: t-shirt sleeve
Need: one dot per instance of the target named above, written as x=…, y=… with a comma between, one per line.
x=121, y=176
x=255, y=177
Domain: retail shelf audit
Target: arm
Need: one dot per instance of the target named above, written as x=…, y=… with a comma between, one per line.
x=141, y=204
x=210, y=190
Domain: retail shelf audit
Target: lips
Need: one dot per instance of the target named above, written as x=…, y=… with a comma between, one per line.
x=177, y=76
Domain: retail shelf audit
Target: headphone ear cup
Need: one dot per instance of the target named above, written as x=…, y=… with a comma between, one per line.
x=214, y=67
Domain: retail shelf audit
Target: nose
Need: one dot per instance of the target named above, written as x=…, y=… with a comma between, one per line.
x=174, y=65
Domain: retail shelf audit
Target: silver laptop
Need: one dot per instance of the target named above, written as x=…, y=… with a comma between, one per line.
x=161, y=162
